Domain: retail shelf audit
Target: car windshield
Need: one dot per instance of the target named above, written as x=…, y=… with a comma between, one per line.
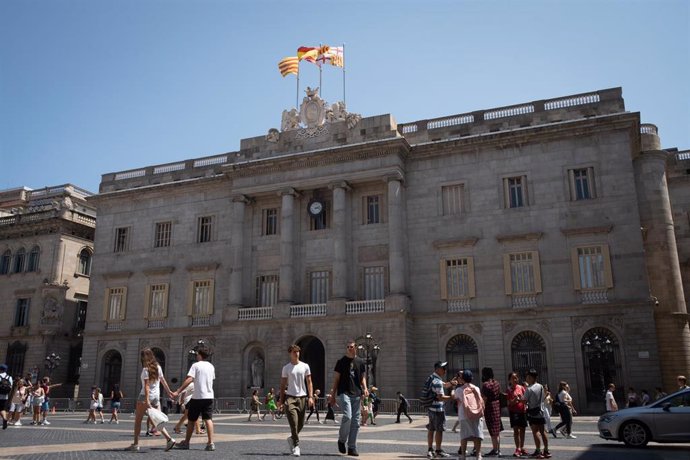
x=679, y=399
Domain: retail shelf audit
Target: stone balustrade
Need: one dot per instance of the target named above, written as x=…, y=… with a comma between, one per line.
x=459, y=305
x=594, y=296
x=524, y=300
x=254, y=313
x=308, y=310
x=358, y=307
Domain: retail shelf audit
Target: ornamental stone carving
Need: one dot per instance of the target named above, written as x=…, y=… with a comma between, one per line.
x=508, y=326
x=312, y=112
x=313, y=117
x=52, y=311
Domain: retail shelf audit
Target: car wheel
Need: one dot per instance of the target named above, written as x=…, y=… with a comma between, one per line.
x=635, y=434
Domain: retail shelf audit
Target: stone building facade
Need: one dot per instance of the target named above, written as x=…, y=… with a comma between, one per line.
x=537, y=235
x=46, y=249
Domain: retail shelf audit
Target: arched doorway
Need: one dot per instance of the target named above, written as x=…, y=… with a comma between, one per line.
x=602, y=363
x=462, y=353
x=529, y=352
x=112, y=370
x=313, y=353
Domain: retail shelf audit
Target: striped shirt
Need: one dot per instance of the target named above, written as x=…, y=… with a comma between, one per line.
x=437, y=387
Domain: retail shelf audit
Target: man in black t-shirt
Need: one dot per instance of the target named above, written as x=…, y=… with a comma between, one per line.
x=349, y=384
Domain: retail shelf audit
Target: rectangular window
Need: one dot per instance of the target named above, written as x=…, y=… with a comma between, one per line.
x=581, y=184
x=202, y=298
x=457, y=278
x=121, y=239
x=515, y=191
x=163, y=235
x=157, y=301
x=21, y=314
x=205, y=229
x=270, y=221
x=522, y=274
x=592, y=267
x=266, y=290
x=374, y=283
x=372, y=209
x=452, y=198
x=319, y=283
x=116, y=301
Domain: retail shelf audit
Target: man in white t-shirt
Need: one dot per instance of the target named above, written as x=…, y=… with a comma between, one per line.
x=611, y=405
x=296, y=391
x=202, y=373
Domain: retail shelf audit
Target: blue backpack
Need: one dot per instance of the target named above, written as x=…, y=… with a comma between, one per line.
x=428, y=397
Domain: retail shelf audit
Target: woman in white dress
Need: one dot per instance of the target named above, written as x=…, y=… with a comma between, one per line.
x=471, y=428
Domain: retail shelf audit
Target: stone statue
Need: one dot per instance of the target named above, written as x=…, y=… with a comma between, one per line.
x=290, y=120
x=273, y=135
x=52, y=310
x=258, y=372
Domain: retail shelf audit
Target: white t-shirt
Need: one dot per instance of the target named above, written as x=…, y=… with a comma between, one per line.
x=154, y=391
x=459, y=396
x=295, y=375
x=610, y=402
x=203, y=374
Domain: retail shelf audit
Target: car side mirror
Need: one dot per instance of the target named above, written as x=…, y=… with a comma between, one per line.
x=666, y=406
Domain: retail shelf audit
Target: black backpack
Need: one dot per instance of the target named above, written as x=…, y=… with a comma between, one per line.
x=5, y=385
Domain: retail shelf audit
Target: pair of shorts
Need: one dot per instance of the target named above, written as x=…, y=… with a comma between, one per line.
x=16, y=407
x=437, y=421
x=155, y=402
x=4, y=404
x=45, y=407
x=518, y=419
x=200, y=407
x=115, y=405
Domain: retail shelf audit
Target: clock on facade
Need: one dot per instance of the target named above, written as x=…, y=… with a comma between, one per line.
x=315, y=208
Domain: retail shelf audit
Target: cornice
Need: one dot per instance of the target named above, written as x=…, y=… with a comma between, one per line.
x=207, y=267
x=533, y=236
x=462, y=243
x=116, y=275
x=158, y=270
x=577, y=231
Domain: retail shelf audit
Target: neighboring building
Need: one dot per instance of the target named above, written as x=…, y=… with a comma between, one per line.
x=538, y=235
x=46, y=247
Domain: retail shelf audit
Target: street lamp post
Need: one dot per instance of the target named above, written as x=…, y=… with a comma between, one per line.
x=52, y=362
x=368, y=350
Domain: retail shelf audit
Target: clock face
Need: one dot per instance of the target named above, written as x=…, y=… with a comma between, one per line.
x=315, y=208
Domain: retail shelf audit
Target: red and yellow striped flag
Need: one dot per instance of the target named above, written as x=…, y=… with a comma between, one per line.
x=309, y=54
x=289, y=65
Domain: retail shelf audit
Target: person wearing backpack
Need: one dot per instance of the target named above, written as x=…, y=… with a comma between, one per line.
x=5, y=391
x=436, y=411
x=470, y=414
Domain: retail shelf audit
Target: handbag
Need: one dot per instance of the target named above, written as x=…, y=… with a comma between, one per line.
x=536, y=413
x=157, y=417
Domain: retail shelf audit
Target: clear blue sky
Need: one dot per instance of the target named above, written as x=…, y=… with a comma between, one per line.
x=89, y=87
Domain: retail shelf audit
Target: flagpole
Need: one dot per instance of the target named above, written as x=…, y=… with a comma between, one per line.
x=317, y=60
x=297, y=94
x=344, y=101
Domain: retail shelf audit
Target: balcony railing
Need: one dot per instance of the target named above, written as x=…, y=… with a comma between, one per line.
x=358, y=307
x=200, y=320
x=157, y=323
x=307, y=310
x=459, y=305
x=113, y=326
x=594, y=296
x=524, y=300
x=254, y=313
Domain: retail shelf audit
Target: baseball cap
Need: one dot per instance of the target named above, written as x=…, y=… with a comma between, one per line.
x=3, y=367
x=439, y=364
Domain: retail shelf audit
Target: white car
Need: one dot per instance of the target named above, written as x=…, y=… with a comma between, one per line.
x=666, y=420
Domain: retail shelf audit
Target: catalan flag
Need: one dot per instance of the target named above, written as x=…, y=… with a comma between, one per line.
x=289, y=65
x=309, y=54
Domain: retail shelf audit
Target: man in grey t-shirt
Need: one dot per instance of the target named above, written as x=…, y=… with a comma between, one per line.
x=534, y=397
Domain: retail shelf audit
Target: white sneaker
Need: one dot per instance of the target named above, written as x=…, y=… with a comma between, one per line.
x=295, y=451
x=132, y=448
x=291, y=444
x=430, y=454
x=571, y=436
x=17, y=423
x=45, y=422
x=170, y=444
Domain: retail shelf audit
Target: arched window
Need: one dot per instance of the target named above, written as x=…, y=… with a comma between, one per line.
x=462, y=353
x=34, y=256
x=5, y=262
x=84, y=267
x=112, y=371
x=602, y=362
x=529, y=352
x=19, y=261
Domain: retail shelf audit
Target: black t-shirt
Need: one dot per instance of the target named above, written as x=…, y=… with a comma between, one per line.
x=351, y=371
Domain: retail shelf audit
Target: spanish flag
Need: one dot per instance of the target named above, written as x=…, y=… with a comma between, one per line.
x=289, y=65
x=309, y=54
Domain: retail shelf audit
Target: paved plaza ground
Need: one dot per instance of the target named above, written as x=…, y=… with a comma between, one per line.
x=68, y=438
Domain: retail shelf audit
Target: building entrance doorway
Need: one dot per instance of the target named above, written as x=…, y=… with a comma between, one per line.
x=313, y=353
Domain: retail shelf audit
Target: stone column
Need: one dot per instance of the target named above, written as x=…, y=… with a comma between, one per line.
x=340, y=245
x=239, y=204
x=396, y=256
x=287, y=246
x=661, y=254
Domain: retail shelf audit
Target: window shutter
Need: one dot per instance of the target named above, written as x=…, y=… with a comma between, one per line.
x=443, y=281
x=571, y=184
x=537, y=271
x=165, y=300
x=190, y=299
x=506, y=193
x=470, y=277
x=608, y=273
x=590, y=182
x=106, y=304
x=525, y=193
x=147, y=302
x=123, y=308
x=507, y=281
x=211, y=297
x=575, y=265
